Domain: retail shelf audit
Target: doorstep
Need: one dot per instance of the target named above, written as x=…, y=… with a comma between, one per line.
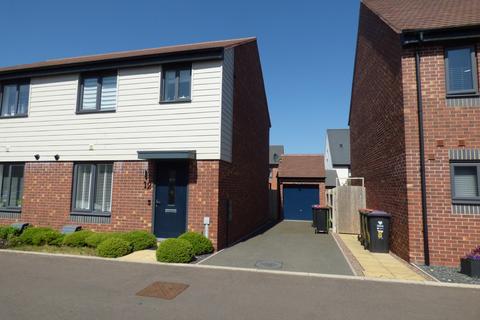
x=148, y=255
x=380, y=265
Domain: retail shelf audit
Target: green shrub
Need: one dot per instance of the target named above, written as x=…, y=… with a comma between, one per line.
x=77, y=239
x=6, y=232
x=14, y=241
x=140, y=240
x=175, y=251
x=45, y=237
x=200, y=243
x=114, y=248
x=96, y=238
x=29, y=234
x=58, y=241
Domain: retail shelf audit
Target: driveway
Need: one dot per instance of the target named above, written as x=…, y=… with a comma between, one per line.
x=288, y=246
x=52, y=287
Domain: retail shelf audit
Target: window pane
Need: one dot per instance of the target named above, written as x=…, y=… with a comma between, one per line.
x=171, y=187
x=103, y=196
x=3, y=201
x=465, y=182
x=16, y=186
x=109, y=93
x=83, y=187
x=9, y=100
x=169, y=85
x=460, y=70
x=184, y=84
x=23, y=99
x=89, y=101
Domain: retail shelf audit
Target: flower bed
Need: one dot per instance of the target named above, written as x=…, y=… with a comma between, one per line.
x=111, y=245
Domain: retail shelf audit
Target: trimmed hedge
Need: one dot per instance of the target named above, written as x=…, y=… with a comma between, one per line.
x=30, y=233
x=114, y=248
x=46, y=237
x=96, y=238
x=200, y=243
x=175, y=251
x=140, y=240
x=76, y=239
x=7, y=232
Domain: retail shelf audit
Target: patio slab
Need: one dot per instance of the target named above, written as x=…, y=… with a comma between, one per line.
x=380, y=265
x=288, y=246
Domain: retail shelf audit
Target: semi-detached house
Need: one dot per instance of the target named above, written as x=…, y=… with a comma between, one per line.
x=414, y=123
x=165, y=140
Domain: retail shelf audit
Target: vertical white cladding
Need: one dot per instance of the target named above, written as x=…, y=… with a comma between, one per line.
x=139, y=123
x=226, y=134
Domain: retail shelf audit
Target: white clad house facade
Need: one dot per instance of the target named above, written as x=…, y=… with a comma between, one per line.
x=141, y=139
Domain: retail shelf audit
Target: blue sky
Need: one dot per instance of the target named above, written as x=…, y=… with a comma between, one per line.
x=307, y=47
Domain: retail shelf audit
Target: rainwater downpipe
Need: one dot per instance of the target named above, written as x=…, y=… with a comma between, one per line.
x=426, y=248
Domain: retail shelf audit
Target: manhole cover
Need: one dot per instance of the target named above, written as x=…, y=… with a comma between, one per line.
x=268, y=264
x=163, y=290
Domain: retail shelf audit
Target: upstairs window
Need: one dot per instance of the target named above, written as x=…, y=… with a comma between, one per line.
x=461, y=71
x=11, y=186
x=98, y=93
x=92, y=189
x=176, y=83
x=14, y=99
x=465, y=183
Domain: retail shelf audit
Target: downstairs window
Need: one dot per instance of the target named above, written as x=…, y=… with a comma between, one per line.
x=92, y=189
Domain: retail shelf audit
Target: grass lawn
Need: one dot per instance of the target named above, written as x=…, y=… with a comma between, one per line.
x=53, y=249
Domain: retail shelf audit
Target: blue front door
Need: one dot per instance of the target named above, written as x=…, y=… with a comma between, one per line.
x=298, y=201
x=171, y=199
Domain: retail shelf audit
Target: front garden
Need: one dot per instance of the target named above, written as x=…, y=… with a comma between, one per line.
x=183, y=249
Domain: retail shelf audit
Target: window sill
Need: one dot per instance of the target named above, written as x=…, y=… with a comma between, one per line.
x=466, y=202
x=13, y=117
x=90, y=214
x=12, y=210
x=463, y=95
x=176, y=101
x=95, y=111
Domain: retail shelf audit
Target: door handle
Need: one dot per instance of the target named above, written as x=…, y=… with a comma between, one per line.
x=158, y=202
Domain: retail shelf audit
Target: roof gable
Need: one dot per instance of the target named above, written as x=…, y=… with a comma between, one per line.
x=339, y=145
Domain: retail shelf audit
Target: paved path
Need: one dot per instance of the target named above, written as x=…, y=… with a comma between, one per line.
x=53, y=287
x=380, y=265
x=292, y=243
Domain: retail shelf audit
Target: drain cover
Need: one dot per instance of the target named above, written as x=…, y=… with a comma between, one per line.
x=163, y=290
x=268, y=264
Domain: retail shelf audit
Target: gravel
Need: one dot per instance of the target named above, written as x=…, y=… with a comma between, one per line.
x=449, y=274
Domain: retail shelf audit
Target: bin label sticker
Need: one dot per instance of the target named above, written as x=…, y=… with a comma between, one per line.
x=380, y=228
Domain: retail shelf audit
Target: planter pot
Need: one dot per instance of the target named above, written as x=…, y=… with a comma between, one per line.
x=470, y=267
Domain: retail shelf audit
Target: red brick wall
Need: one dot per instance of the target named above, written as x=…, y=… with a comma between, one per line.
x=203, y=197
x=450, y=235
x=245, y=181
x=48, y=191
x=377, y=130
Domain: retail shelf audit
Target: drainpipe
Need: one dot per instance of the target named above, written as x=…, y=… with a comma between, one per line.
x=426, y=249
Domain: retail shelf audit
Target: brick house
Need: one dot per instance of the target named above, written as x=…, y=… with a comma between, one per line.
x=415, y=135
x=163, y=140
x=301, y=180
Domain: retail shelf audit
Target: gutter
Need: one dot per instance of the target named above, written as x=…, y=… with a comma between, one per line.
x=426, y=248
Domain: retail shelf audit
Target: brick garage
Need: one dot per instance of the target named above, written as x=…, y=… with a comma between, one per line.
x=303, y=172
x=385, y=133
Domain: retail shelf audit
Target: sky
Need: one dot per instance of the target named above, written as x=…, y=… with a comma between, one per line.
x=306, y=48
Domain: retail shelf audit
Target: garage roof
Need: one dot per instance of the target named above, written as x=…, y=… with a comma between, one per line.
x=301, y=166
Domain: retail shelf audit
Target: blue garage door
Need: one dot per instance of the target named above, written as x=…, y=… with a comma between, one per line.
x=298, y=201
